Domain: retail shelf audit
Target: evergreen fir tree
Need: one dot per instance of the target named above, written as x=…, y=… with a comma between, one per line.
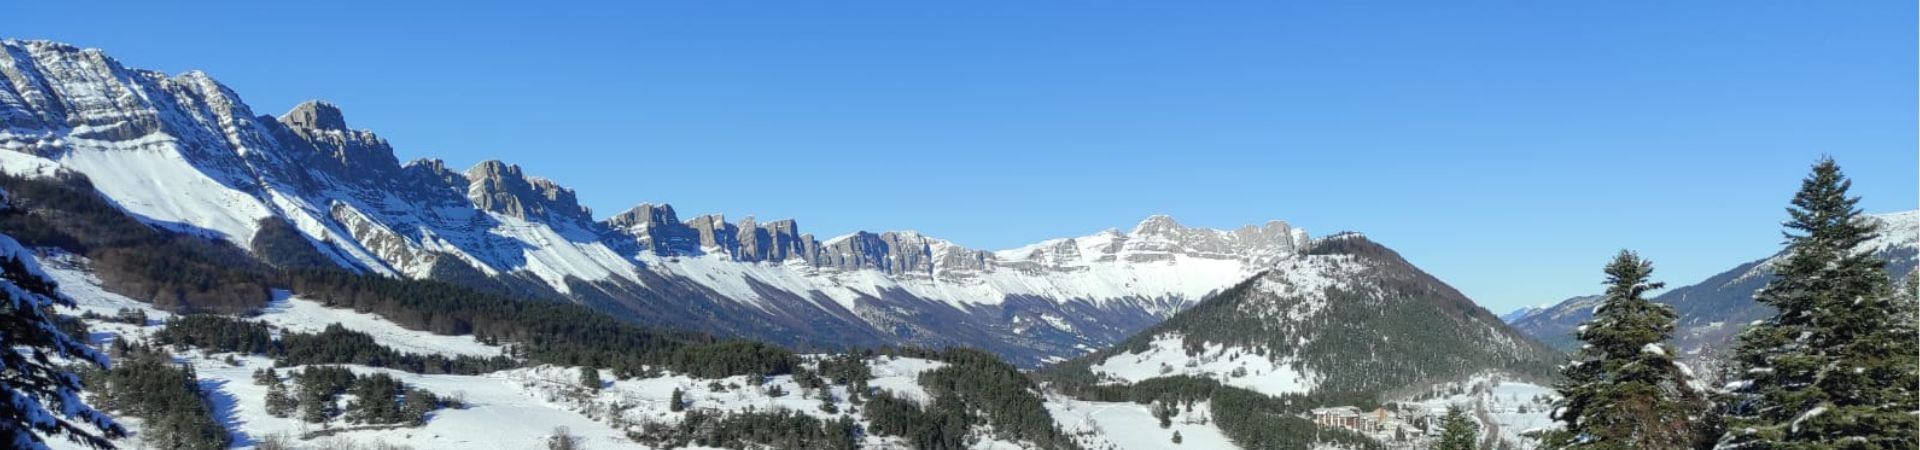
x=279, y=402
x=1624, y=390
x=590, y=378
x=41, y=397
x=265, y=377
x=316, y=404
x=1457, y=431
x=677, y=403
x=419, y=403
x=563, y=439
x=1163, y=411
x=1835, y=367
x=376, y=400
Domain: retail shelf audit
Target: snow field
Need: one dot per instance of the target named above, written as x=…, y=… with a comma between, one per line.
x=299, y=314
x=1131, y=426
x=1167, y=356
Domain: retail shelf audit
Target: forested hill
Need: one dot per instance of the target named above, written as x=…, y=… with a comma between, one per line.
x=1351, y=317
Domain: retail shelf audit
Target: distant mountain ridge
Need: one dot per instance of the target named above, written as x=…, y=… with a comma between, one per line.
x=1712, y=311
x=184, y=152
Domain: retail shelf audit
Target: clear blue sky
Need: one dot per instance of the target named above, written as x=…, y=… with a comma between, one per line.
x=1508, y=147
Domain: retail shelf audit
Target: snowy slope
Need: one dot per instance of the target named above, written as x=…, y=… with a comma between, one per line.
x=299, y=314
x=1131, y=426
x=1234, y=366
x=512, y=409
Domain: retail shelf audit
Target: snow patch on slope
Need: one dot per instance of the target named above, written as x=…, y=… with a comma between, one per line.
x=299, y=314
x=158, y=186
x=1131, y=426
x=1240, y=367
x=79, y=283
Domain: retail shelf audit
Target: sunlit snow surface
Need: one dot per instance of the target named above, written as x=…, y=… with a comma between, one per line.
x=1131, y=426
x=299, y=314
x=1167, y=356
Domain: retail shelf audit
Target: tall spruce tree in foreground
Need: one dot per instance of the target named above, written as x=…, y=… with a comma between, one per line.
x=1836, y=366
x=1624, y=390
x=40, y=397
x=1457, y=431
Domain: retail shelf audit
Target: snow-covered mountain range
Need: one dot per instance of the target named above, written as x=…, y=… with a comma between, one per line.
x=1714, y=310
x=186, y=153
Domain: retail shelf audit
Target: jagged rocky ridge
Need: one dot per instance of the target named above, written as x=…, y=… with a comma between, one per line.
x=1713, y=311
x=184, y=152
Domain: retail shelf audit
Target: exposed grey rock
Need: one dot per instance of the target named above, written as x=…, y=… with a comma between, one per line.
x=316, y=134
x=715, y=234
x=316, y=115
x=503, y=188
x=773, y=241
x=656, y=229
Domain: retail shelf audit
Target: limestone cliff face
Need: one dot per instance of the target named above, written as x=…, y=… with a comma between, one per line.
x=500, y=187
x=186, y=153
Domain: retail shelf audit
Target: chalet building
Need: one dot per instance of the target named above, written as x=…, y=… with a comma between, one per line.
x=1352, y=418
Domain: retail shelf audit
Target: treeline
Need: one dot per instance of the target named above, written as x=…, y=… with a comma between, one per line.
x=1255, y=420
x=129, y=316
x=333, y=345
x=752, y=430
x=145, y=382
x=974, y=389
x=378, y=399
x=974, y=380
x=555, y=333
x=176, y=271
x=938, y=426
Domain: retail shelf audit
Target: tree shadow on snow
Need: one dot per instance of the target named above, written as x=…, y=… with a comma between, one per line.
x=225, y=409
